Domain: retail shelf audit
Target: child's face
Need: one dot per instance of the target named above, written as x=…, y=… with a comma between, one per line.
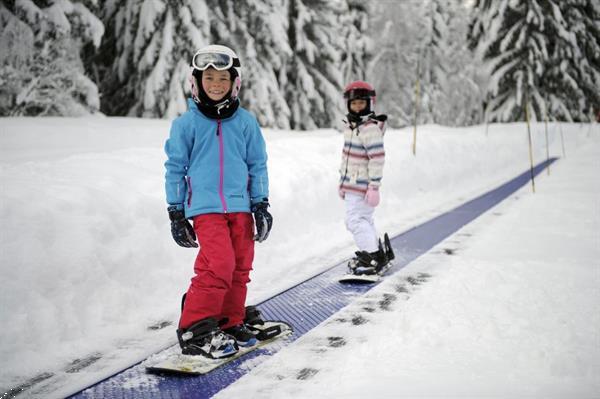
x=358, y=105
x=216, y=84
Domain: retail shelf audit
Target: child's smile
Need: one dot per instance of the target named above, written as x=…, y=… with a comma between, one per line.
x=216, y=84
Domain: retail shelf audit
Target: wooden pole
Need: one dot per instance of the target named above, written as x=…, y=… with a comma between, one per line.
x=530, y=146
x=547, y=145
x=416, y=113
x=486, y=117
x=562, y=139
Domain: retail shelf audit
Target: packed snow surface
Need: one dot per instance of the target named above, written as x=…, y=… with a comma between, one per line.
x=92, y=281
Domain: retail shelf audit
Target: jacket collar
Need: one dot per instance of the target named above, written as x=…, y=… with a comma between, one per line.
x=214, y=112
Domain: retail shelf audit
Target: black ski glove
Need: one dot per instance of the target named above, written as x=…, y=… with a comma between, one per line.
x=262, y=219
x=181, y=229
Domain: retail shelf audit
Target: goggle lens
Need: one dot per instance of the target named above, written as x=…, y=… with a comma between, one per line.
x=359, y=94
x=219, y=61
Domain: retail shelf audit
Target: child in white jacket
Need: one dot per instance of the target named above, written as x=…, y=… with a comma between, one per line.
x=361, y=172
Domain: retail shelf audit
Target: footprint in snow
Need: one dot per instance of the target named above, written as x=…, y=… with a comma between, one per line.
x=336, y=342
x=306, y=373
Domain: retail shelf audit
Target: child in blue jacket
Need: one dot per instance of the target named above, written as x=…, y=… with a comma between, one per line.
x=216, y=175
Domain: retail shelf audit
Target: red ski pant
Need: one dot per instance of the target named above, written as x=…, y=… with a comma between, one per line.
x=222, y=269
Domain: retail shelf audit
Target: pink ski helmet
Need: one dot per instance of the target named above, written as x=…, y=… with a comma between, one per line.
x=360, y=90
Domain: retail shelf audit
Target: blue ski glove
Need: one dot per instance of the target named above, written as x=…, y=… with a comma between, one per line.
x=262, y=220
x=181, y=229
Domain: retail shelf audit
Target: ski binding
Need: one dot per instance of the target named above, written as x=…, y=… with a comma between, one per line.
x=171, y=361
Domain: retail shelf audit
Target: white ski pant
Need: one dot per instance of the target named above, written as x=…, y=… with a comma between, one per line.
x=359, y=222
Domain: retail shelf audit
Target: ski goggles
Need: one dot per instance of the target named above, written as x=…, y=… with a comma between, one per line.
x=359, y=94
x=219, y=61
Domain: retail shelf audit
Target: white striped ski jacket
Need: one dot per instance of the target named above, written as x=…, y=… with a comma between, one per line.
x=362, y=157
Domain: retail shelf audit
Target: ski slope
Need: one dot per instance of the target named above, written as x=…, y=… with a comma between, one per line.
x=104, y=281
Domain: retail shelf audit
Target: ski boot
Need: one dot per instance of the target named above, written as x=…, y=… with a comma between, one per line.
x=353, y=263
x=243, y=335
x=366, y=262
x=373, y=262
x=205, y=338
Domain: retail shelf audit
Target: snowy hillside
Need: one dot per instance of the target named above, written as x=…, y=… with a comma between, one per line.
x=89, y=268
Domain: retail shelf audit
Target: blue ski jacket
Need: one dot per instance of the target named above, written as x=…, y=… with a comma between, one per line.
x=215, y=165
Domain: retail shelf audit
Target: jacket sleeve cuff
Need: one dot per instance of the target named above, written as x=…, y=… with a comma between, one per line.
x=258, y=200
x=177, y=207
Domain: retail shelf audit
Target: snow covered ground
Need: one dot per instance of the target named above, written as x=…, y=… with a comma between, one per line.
x=91, y=279
x=513, y=312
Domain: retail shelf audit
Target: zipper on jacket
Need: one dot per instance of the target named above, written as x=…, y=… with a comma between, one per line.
x=221, y=165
